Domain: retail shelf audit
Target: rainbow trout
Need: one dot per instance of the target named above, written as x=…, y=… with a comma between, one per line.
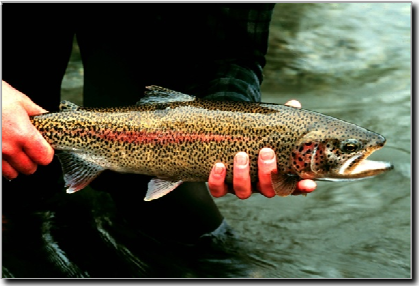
x=177, y=138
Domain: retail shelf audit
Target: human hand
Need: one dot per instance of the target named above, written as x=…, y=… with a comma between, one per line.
x=23, y=147
x=241, y=174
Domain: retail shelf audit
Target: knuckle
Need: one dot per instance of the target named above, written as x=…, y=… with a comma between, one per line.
x=212, y=185
x=45, y=160
x=241, y=173
x=242, y=188
x=266, y=186
x=7, y=154
x=8, y=149
x=217, y=190
x=240, y=176
x=34, y=138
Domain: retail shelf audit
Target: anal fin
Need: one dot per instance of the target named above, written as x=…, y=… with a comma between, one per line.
x=157, y=188
x=78, y=172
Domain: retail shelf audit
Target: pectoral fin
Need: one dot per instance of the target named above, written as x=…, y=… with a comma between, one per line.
x=283, y=184
x=78, y=172
x=157, y=188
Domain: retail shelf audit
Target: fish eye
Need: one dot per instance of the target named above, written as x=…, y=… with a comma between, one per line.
x=350, y=145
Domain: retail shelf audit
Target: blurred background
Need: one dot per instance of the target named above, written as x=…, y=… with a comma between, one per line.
x=351, y=61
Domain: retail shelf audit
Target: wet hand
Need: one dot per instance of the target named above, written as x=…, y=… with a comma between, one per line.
x=23, y=147
x=241, y=174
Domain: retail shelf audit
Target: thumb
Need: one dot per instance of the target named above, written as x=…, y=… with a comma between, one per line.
x=31, y=107
x=11, y=96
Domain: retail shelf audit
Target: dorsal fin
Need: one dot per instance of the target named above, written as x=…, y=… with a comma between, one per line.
x=66, y=105
x=158, y=94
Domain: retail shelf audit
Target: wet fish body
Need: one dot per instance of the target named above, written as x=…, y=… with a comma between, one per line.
x=177, y=138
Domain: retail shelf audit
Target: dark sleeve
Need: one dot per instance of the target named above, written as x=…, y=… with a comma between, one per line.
x=239, y=34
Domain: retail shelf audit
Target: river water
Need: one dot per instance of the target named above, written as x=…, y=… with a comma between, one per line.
x=351, y=61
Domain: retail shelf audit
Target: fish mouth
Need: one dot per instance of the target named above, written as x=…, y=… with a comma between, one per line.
x=368, y=168
x=358, y=167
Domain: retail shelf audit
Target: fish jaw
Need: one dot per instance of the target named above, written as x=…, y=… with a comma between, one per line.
x=369, y=168
x=364, y=169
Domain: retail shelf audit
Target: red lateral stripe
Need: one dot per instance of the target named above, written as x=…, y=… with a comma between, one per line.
x=164, y=137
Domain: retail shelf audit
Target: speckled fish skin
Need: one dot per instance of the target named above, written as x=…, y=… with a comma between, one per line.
x=182, y=140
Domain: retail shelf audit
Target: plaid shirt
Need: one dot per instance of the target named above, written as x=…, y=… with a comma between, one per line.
x=220, y=49
x=242, y=30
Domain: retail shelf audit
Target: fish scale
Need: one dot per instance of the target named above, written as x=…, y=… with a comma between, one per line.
x=177, y=138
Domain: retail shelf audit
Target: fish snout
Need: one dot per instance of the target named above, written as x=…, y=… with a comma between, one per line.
x=377, y=141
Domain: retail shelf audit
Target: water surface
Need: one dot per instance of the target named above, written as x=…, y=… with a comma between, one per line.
x=351, y=61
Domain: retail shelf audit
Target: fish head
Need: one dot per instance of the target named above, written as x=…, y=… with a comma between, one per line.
x=338, y=153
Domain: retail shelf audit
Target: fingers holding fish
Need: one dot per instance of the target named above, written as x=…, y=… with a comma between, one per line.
x=15, y=161
x=216, y=184
x=241, y=176
x=242, y=187
x=266, y=165
x=23, y=147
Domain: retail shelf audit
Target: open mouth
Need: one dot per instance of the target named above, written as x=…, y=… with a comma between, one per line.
x=367, y=168
x=358, y=167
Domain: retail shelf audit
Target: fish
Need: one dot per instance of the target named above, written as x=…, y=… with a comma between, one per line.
x=175, y=137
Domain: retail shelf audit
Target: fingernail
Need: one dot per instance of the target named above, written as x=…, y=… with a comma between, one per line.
x=218, y=168
x=307, y=186
x=293, y=103
x=267, y=154
x=241, y=159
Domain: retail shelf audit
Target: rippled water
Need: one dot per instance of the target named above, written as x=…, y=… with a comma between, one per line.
x=351, y=61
